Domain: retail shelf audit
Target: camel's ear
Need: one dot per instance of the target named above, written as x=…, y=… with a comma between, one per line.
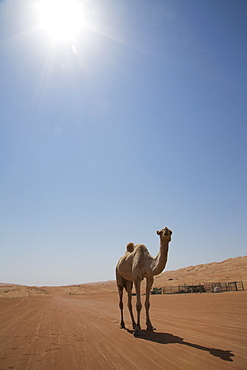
x=158, y=232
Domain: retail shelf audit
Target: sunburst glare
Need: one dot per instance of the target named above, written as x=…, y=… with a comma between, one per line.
x=62, y=19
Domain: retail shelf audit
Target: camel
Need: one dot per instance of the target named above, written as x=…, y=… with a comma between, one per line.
x=135, y=265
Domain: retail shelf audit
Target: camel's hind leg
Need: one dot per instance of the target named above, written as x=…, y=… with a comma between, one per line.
x=120, y=286
x=128, y=287
x=120, y=292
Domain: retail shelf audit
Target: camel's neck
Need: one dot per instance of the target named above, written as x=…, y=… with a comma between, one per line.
x=160, y=260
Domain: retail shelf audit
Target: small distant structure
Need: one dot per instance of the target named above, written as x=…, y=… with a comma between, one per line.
x=202, y=288
x=217, y=289
x=156, y=291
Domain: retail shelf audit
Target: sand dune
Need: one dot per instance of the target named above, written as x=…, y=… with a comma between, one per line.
x=232, y=269
x=77, y=327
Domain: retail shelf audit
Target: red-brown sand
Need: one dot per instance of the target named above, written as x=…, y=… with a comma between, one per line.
x=78, y=328
x=232, y=269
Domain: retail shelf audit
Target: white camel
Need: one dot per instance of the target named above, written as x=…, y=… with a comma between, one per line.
x=135, y=265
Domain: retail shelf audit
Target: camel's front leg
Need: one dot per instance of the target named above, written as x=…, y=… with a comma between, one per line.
x=138, y=306
x=147, y=302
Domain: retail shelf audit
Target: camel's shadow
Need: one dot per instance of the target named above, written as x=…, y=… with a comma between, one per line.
x=166, y=338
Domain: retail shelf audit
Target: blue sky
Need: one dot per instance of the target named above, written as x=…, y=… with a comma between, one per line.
x=137, y=123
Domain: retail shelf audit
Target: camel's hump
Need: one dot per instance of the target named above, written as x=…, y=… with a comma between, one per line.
x=141, y=247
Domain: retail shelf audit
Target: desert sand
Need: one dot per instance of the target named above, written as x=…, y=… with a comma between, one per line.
x=232, y=269
x=77, y=327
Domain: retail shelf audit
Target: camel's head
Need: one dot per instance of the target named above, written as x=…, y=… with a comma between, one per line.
x=165, y=234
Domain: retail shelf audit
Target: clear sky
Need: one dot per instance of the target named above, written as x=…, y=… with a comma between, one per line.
x=133, y=121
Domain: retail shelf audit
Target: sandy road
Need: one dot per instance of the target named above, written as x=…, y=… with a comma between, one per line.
x=207, y=331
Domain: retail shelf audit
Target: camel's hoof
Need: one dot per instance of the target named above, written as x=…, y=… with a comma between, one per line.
x=150, y=328
x=122, y=327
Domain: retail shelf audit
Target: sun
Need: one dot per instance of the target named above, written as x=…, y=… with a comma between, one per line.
x=62, y=19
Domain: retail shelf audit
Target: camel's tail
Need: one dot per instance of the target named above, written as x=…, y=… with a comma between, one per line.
x=130, y=247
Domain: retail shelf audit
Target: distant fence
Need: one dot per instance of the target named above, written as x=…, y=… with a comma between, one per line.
x=201, y=288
